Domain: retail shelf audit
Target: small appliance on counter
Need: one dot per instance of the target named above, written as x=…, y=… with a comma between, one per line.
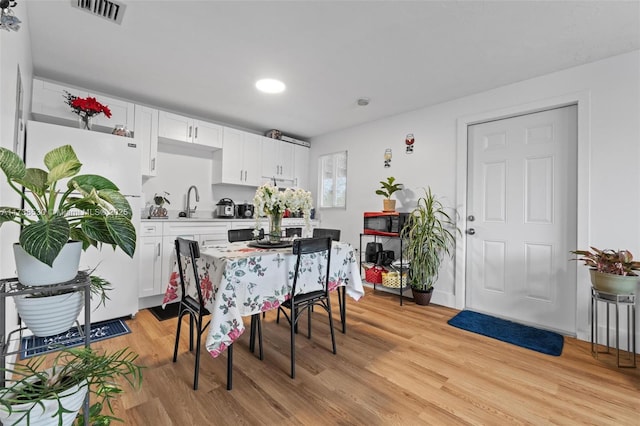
x=244, y=211
x=225, y=208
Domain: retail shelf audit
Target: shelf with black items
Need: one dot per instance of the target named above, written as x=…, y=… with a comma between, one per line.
x=11, y=287
x=396, y=277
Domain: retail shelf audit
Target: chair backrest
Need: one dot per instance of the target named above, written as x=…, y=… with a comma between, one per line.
x=326, y=232
x=306, y=246
x=245, y=234
x=187, y=251
x=291, y=232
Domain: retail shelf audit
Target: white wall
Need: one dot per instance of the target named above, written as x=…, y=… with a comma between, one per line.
x=610, y=138
x=177, y=171
x=15, y=49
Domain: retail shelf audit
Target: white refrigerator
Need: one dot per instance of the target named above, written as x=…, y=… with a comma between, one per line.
x=118, y=159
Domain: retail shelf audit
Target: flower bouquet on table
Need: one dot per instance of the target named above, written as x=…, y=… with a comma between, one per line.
x=86, y=108
x=272, y=202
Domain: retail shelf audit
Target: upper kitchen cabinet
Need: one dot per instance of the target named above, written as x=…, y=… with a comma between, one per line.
x=146, y=132
x=49, y=105
x=178, y=128
x=301, y=166
x=239, y=161
x=277, y=159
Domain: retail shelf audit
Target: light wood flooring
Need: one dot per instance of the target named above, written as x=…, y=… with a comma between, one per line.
x=395, y=366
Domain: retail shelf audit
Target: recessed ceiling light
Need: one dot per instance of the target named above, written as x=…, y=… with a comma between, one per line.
x=270, y=85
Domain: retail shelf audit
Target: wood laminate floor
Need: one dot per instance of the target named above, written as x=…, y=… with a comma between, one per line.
x=395, y=366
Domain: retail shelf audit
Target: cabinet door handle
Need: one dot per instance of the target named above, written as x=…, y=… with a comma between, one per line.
x=240, y=175
x=245, y=175
x=158, y=255
x=153, y=164
x=196, y=134
x=190, y=127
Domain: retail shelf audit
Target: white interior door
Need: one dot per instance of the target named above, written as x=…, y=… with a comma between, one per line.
x=521, y=221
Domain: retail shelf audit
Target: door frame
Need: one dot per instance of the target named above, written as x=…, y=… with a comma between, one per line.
x=582, y=100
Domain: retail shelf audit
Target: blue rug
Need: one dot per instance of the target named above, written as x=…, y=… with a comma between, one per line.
x=32, y=345
x=544, y=341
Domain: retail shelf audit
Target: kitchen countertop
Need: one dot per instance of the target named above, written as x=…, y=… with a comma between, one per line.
x=210, y=219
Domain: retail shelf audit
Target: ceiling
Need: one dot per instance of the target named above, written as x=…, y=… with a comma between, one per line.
x=202, y=58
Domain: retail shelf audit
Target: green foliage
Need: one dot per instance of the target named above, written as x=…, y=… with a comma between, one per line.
x=609, y=261
x=389, y=187
x=90, y=209
x=71, y=366
x=427, y=237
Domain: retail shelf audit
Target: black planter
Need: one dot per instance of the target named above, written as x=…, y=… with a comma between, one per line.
x=422, y=297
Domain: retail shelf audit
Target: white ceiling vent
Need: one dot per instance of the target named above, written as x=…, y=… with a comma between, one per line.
x=107, y=9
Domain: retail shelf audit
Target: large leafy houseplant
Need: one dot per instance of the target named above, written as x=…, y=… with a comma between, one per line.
x=55, y=393
x=428, y=235
x=611, y=271
x=89, y=208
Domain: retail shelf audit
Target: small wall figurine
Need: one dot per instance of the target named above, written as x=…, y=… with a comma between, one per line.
x=408, y=141
x=387, y=157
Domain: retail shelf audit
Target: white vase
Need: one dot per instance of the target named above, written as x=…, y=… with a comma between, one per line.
x=50, y=315
x=41, y=412
x=32, y=272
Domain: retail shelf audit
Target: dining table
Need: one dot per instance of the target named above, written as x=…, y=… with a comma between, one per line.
x=241, y=279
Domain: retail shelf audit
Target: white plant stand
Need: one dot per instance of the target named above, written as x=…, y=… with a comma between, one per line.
x=628, y=300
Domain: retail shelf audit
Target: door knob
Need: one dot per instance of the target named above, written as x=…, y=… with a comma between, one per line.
x=470, y=231
x=471, y=218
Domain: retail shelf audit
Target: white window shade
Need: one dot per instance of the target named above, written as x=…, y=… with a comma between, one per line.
x=333, y=180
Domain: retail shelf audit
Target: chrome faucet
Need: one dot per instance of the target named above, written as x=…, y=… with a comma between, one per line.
x=189, y=211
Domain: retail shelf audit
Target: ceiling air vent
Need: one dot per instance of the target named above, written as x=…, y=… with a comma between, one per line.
x=107, y=9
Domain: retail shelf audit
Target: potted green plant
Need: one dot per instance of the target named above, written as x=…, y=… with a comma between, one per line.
x=386, y=190
x=51, y=310
x=611, y=271
x=57, y=222
x=35, y=395
x=428, y=235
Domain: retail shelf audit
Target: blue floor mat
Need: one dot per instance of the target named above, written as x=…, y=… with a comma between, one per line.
x=32, y=345
x=544, y=341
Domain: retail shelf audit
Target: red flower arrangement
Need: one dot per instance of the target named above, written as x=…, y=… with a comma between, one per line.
x=86, y=107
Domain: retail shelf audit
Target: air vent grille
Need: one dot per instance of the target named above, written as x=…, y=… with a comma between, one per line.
x=107, y=9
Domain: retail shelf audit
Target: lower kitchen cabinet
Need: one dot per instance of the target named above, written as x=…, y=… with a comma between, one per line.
x=150, y=249
x=157, y=245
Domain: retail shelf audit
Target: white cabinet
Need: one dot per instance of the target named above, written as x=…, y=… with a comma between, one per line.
x=301, y=166
x=48, y=104
x=277, y=159
x=146, y=132
x=178, y=128
x=239, y=161
x=150, y=247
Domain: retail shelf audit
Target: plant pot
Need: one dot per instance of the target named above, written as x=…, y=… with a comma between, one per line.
x=41, y=412
x=32, y=272
x=422, y=297
x=388, y=205
x=616, y=284
x=49, y=315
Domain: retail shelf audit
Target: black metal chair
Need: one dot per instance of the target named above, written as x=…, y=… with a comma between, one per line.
x=292, y=232
x=326, y=232
x=187, y=251
x=342, y=301
x=300, y=302
x=244, y=234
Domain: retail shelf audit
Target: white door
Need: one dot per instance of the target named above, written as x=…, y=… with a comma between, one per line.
x=521, y=221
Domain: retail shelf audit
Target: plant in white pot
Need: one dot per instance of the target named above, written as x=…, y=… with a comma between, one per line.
x=428, y=235
x=611, y=271
x=51, y=310
x=58, y=221
x=35, y=395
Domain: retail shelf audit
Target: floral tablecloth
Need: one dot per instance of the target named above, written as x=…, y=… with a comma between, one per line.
x=237, y=280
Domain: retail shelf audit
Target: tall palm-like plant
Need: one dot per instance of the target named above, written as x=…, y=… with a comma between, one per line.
x=429, y=235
